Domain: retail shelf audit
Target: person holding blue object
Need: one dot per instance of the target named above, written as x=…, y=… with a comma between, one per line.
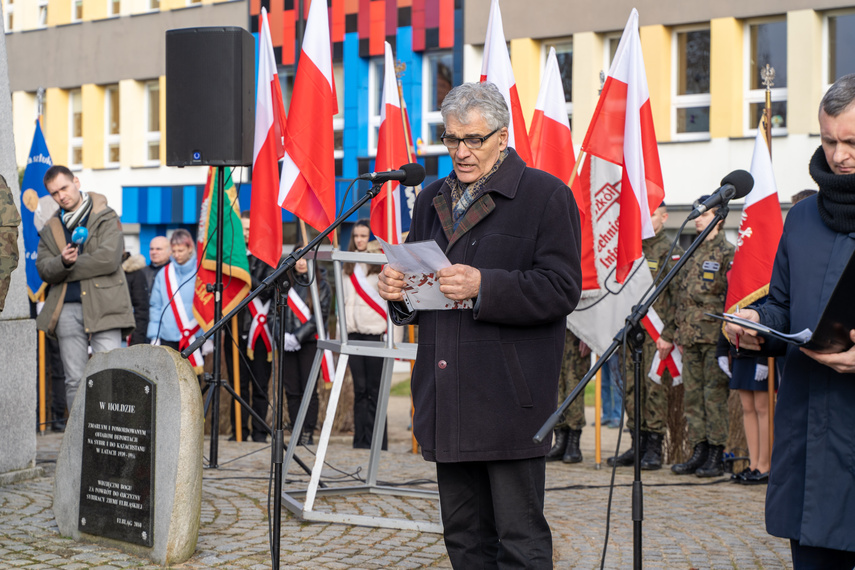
x=87, y=301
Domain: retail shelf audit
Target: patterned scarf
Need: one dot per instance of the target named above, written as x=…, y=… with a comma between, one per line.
x=78, y=216
x=836, y=198
x=464, y=196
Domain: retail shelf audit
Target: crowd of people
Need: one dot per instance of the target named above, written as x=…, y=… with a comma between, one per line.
x=487, y=378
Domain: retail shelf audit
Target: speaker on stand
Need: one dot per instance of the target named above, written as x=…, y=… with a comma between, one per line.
x=210, y=121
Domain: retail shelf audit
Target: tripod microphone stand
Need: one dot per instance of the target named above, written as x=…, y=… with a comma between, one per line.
x=633, y=332
x=214, y=381
x=274, y=278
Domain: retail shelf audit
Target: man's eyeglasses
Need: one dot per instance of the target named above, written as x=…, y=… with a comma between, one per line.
x=472, y=143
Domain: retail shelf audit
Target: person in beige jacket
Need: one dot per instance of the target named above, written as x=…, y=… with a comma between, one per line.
x=364, y=322
x=87, y=302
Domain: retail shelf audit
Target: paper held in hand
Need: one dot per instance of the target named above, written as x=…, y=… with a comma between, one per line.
x=799, y=338
x=419, y=262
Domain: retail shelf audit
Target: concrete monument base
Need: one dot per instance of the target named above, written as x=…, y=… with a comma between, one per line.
x=176, y=488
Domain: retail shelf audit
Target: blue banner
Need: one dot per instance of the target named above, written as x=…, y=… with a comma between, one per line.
x=32, y=189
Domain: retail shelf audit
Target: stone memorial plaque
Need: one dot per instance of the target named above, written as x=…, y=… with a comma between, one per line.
x=117, y=471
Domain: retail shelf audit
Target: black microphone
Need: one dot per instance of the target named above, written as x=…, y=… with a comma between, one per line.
x=735, y=185
x=411, y=174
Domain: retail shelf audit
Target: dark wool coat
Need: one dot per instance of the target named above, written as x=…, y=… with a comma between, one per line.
x=811, y=494
x=486, y=380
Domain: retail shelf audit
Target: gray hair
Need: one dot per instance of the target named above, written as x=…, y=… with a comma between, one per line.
x=485, y=98
x=839, y=96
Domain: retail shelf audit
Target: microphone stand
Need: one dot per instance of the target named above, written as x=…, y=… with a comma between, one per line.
x=634, y=333
x=272, y=280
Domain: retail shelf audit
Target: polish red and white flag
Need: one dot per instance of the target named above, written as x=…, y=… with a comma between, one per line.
x=496, y=68
x=307, y=185
x=760, y=230
x=617, y=183
x=653, y=324
x=265, y=230
x=551, y=141
x=392, y=153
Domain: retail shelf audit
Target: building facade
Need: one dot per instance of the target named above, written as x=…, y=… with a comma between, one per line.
x=102, y=66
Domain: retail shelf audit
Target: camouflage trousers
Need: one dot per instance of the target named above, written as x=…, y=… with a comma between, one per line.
x=573, y=368
x=705, y=396
x=8, y=259
x=654, y=397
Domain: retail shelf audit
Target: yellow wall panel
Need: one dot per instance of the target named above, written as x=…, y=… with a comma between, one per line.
x=805, y=87
x=94, y=10
x=56, y=124
x=588, y=61
x=59, y=12
x=726, y=77
x=525, y=59
x=93, y=126
x=656, y=47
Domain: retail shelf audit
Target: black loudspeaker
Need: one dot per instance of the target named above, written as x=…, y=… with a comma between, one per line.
x=210, y=96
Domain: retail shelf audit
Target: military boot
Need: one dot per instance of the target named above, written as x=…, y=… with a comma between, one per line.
x=557, y=451
x=714, y=465
x=573, y=454
x=699, y=456
x=307, y=437
x=628, y=456
x=652, y=458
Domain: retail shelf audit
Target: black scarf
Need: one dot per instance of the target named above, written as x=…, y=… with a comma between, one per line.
x=836, y=198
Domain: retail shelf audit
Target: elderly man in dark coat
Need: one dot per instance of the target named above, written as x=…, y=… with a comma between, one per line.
x=486, y=378
x=811, y=495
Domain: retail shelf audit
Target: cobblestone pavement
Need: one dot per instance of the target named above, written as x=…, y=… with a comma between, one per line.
x=688, y=523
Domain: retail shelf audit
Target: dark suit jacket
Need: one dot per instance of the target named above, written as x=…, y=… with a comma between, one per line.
x=811, y=495
x=485, y=380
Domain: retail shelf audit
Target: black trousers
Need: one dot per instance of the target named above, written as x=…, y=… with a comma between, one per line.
x=492, y=513
x=367, y=372
x=57, y=381
x=254, y=385
x=817, y=558
x=296, y=367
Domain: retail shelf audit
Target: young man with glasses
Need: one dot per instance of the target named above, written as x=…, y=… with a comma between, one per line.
x=486, y=378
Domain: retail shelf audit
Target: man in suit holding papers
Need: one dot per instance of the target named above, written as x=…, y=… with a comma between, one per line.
x=486, y=378
x=811, y=494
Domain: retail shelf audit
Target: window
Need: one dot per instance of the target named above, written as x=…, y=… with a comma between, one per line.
x=114, y=7
x=375, y=99
x=152, y=123
x=8, y=15
x=690, y=109
x=111, y=125
x=438, y=80
x=76, y=10
x=564, y=55
x=766, y=43
x=154, y=4
x=840, y=34
x=75, y=129
x=43, y=6
x=338, y=120
x=193, y=2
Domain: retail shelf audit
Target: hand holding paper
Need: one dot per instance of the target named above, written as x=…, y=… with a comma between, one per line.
x=747, y=338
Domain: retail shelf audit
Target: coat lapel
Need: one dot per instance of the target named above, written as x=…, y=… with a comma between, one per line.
x=479, y=210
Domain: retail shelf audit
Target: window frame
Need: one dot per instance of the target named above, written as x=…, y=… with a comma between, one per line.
x=75, y=142
x=375, y=98
x=826, y=40
x=691, y=100
x=152, y=137
x=75, y=17
x=431, y=118
x=42, y=14
x=544, y=54
x=758, y=96
x=112, y=139
x=8, y=15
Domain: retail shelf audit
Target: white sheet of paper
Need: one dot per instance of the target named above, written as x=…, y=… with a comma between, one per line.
x=419, y=262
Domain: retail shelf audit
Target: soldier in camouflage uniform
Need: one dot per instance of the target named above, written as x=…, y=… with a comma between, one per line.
x=10, y=219
x=654, y=397
x=702, y=289
x=568, y=431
